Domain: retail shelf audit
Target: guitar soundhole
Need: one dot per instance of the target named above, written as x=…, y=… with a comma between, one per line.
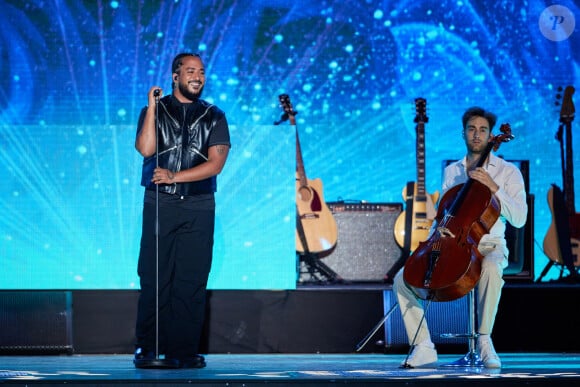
x=309, y=195
x=304, y=194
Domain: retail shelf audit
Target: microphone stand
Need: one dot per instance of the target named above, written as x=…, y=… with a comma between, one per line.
x=157, y=362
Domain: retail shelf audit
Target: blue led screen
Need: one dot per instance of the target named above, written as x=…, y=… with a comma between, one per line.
x=75, y=74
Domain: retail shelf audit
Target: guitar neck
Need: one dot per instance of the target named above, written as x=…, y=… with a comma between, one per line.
x=569, y=196
x=567, y=113
x=299, y=163
x=420, y=152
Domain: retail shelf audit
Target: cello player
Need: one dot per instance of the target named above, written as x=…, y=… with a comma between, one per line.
x=505, y=181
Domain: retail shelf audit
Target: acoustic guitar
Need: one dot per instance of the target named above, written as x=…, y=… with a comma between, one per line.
x=316, y=230
x=562, y=240
x=420, y=209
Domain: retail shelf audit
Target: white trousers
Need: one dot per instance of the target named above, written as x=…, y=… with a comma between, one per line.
x=488, y=291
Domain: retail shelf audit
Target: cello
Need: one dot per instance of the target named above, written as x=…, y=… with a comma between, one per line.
x=448, y=263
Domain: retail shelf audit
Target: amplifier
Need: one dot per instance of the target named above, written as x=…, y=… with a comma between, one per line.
x=443, y=319
x=366, y=249
x=35, y=322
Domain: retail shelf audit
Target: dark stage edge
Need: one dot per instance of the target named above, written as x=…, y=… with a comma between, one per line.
x=330, y=319
x=530, y=369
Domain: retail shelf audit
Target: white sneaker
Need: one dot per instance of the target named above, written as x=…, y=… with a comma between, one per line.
x=487, y=352
x=421, y=355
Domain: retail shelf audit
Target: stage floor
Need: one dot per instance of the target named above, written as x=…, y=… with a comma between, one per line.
x=532, y=369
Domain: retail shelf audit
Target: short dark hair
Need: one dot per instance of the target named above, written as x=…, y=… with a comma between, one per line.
x=476, y=111
x=178, y=60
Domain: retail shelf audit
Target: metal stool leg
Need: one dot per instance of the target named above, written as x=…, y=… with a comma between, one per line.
x=471, y=359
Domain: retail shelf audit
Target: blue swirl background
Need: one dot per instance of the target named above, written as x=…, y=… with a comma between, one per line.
x=74, y=75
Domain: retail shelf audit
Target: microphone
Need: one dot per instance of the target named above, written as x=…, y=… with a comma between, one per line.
x=156, y=92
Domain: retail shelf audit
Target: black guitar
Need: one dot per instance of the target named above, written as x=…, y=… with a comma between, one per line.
x=562, y=240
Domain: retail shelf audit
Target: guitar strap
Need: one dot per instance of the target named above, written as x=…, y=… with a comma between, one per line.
x=406, y=249
x=301, y=234
x=408, y=218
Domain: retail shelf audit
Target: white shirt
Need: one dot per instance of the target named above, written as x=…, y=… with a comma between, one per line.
x=511, y=195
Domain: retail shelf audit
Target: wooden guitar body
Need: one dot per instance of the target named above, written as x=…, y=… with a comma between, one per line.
x=553, y=240
x=318, y=223
x=423, y=214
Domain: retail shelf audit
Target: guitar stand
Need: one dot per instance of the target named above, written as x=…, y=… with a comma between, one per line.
x=573, y=277
x=318, y=270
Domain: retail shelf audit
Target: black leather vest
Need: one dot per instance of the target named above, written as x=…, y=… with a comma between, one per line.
x=184, y=131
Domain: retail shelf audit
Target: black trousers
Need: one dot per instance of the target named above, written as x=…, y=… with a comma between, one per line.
x=179, y=291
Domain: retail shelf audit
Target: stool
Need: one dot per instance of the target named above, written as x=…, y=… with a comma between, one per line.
x=471, y=359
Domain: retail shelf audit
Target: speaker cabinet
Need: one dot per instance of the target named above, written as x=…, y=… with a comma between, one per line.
x=35, y=322
x=442, y=318
x=520, y=243
x=366, y=249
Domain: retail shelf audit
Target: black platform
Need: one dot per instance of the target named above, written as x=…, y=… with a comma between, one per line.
x=324, y=319
x=306, y=336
